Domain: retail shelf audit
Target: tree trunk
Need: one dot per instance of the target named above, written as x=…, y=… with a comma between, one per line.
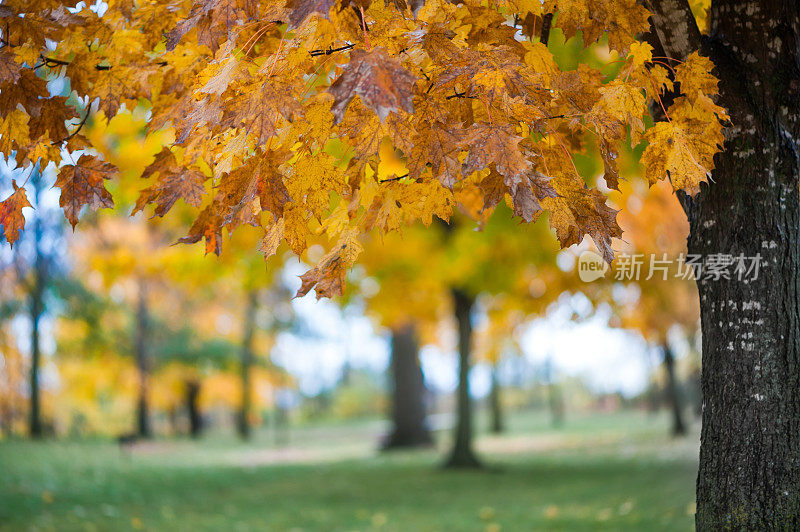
x=651, y=393
x=673, y=393
x=35, y=422
x=462, y=454
x=554, y=398
x=281, y=426
x=749, y=474
x=245, y=405
x=408, y=394
x=36, y=311
x=143, y=364
x=495, y=403
x=193, y=408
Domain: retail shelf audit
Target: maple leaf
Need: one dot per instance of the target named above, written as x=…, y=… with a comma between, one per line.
x=295, y=229
x=328, y=277
x=494, y=144
x=437, y=144
x=363, y=131
x=621, y=20
x=272, y=239
x=492, y=74
x=526, y=190
x=122, y=84
x=258, y=179
x=673, y=151
x=694, y=76
x=257, y=108
x=213, y=19
x=620, y=102
x=300, y=10
x=578, y=211
x=9, y=69
x=609, y=154
x=174, y=182
x=29, y=90
x=82, y=184
x=11, y=217
x=50, y=120
x=526, y=195
x=14, y=131
x=381, y=82
x=223, y=72
x=208, y=225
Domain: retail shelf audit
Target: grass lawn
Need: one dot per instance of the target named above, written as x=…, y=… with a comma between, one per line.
x=600, y=472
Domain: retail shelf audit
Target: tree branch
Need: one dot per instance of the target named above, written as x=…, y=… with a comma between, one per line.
x=80, y=125
x=675, y=27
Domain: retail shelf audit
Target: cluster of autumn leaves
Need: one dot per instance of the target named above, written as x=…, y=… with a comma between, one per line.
x=278, y=111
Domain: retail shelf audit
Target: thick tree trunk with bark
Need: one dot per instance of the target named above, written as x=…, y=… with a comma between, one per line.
x=749, y=473
x=673, y=393
x=143, y=364
x=462, y=454
x=243, y=417
x=408, y=392
x=495, y=403
x=749, y=476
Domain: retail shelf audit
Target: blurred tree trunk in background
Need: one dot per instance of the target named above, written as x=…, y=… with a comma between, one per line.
x=193, y=408
x=143, y=363
x=673, y=393
x=409, y=428
x=495, y=402
x=245, y=405
x=36, y=310
x=554, y=399
x=462, y=454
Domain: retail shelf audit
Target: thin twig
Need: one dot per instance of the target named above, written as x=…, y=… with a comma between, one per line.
x=80, y=125
x=460, y=95
x=364, y=25
x=329, y=51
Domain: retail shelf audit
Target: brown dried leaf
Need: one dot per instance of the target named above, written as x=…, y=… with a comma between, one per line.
x=383, y=84
x=83, y=184
x=11, y=217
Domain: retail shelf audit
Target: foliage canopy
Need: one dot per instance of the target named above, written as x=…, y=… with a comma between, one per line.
x=278, y=111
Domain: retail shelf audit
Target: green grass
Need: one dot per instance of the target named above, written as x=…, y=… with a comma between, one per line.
x=602, y=472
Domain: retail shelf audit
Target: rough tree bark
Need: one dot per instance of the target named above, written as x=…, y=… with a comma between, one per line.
x=462, y=454
x=408, y=392
x=143, y=364
x=749, y=473
x=673, y=393
x=495, y=403
x=243, y=417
